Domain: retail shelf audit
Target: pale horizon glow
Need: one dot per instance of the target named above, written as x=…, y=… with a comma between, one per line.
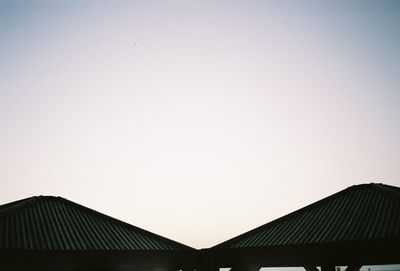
x=197, y=120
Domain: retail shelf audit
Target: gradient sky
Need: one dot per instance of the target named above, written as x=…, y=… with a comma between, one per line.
x=197, y=120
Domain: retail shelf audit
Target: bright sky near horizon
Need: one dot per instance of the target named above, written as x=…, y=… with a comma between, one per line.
x=197, y=120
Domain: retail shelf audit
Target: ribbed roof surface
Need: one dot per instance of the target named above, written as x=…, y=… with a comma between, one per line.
x=358, y=213
x=54, y=223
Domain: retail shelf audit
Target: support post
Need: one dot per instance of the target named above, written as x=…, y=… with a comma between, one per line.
x=207, y=267
x=246, y=268
x=354, y=267
x=328, y=268
x=207, y=261
x=310, y=268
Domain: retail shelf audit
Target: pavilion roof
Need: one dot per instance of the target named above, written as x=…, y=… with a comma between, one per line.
x=367, y=212
x=54, y=223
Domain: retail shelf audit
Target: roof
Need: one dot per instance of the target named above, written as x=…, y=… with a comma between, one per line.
x=366, y=212
x=55, y=223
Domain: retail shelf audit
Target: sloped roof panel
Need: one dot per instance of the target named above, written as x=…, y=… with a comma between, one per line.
x=359, y=213
x=54, y=223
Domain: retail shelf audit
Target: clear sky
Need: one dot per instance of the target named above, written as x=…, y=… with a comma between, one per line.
x=197, y=120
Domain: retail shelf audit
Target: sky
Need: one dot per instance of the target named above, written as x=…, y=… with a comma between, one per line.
x=197, y=120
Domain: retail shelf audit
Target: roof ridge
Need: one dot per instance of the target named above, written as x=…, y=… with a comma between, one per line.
x=294, y=213
x=122, y=223
x=387, y=189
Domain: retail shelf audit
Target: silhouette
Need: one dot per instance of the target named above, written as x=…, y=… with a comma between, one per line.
x=357, y=226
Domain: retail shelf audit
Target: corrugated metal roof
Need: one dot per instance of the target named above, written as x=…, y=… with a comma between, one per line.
x=358, y=213
x=54, y=223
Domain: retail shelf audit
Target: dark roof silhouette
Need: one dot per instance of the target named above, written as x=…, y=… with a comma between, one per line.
x=57, y=224
x=354, y=227
x=360, y=213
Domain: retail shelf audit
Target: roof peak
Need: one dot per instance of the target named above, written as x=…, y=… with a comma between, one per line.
x=380, y=186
